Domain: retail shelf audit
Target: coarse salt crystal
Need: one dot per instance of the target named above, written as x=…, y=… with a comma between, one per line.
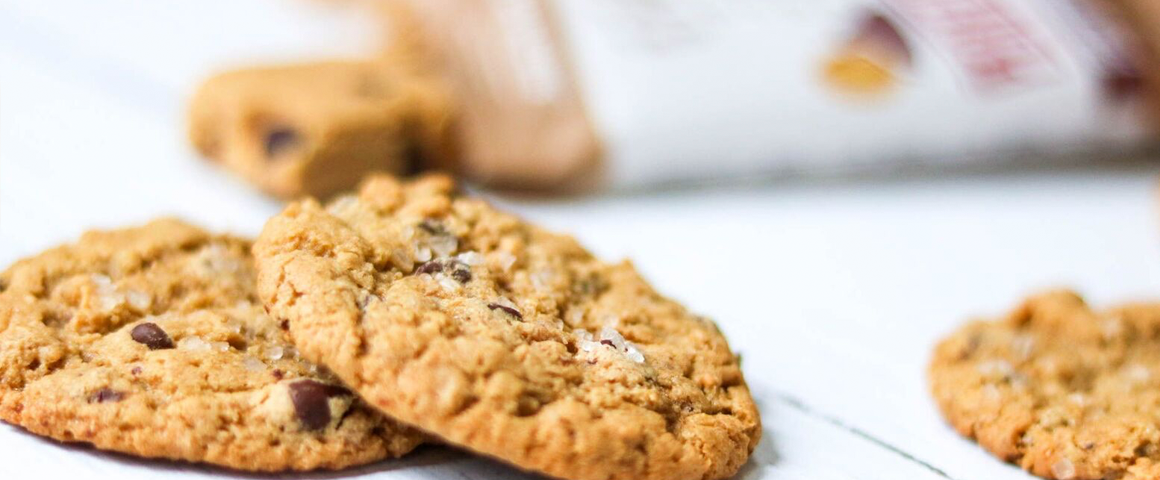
x=422, y=253
x=103, y=282
x=342, y=205
x=542, y=279
x=193, y=343
x=275, y=353
x=995, y=368
x=574, y=317
x=470, y=258
x=110, y=301
x=633, y=353
x=443, y=245
x=139, y=300
x=1063, y=469
x=1137, y=373
x=506, y=260
x=610, y=334
x=1023, y=345
x=447, y=283
x=252, y=364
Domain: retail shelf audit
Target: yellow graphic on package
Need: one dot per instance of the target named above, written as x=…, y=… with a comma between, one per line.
x=867, y=63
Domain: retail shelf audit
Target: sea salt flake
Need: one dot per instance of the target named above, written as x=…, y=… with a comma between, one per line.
x=633, y=353
x=252, y=364
x=139, y=300
x=1137, y=373
x=542, y=279
x=193, y=343
x=505, y=259
x=995, y=368
x=340, y=206
x=610, y=334
x=574, y=317
x=275, y=353
x=213, y=260
x=443, y=245
x=1063, y=469
x=110, y=301
x=447, y=282
x=1023, y=345
x=470, y=258
x=422, y=253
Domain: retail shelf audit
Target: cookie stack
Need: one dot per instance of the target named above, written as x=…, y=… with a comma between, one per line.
x=356, y=331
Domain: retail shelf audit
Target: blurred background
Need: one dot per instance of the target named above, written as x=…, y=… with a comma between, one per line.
x=838, y=183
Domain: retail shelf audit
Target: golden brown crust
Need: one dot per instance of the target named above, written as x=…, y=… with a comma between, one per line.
x=149, y=341
x=504, y=338
x=1061, y=390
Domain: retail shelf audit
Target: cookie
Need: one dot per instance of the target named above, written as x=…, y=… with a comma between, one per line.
x=150, y=341
x=314, y=129
x=504, y=338
x=1064, y=391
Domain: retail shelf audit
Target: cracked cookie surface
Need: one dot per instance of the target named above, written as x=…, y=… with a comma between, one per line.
x=504, y=338
x=1064, y=391
x=150, y=341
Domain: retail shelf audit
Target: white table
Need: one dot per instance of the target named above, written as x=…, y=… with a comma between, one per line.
x=834, y=290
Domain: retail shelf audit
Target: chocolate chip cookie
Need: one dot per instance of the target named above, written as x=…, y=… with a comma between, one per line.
x=150, y=341
x=504, y=338
x=1062, y=390
x=318, y=128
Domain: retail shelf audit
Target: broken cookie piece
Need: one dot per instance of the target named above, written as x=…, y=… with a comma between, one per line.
x=314, y=129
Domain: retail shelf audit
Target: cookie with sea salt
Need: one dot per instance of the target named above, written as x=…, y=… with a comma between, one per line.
x=150, y=341
x=1060, y=389
x=506, y=339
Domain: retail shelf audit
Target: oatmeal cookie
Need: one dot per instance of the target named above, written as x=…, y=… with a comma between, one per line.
x=496, y=335
x=314, y=129
x=150, y=341
x=1064, y=391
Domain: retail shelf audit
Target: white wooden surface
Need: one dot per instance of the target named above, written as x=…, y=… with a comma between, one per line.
x=833, y=290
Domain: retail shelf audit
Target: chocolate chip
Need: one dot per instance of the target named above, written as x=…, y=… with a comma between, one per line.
x=461, y=273
x=106, y=395
x=607, y=342
x=280, y=140
x=152, y=336
x=285, y=324
x=429, y=267
x=433, y=227
x=511, y=311
x=310, y=402
x=278, y=374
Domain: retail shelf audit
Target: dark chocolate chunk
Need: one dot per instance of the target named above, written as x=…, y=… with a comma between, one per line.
x=461, y=273
x=278, y=374
x=280, y=140
x=511, y=311
x=608, y=342
x=429, y=267
x=151, y=336
x=310, y=402
x=433, y=227
x=106, y=395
